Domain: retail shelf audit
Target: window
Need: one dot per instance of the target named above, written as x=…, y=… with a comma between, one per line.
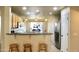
x=36, y=27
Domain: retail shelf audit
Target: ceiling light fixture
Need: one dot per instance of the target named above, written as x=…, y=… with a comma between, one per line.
x=24, y=8
x=50, y=13
x=26, y=19
x=55, y=8
x=46, y=19
x=28, y=13
x=37, y=11
x=55, y=24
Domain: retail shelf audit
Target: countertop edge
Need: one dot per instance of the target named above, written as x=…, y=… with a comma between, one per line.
x=29, y=33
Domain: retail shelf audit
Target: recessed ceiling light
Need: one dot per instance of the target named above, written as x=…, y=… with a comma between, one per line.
x=55, y=24
x=46, y=19
x=26, y=19
x=50, y=13
x=28, y=13
x=37, y=11
x=24, y=8
x=55, y=8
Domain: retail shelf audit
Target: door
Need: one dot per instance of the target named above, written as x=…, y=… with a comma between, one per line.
x=64, y=29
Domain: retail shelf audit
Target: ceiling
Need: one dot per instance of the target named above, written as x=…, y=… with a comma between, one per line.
x=44, y=11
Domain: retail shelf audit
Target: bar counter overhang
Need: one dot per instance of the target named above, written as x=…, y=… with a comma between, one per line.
x=45, y=33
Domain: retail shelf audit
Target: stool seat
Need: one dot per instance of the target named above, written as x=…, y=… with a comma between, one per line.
x=27, y=47
x=14, y=47
x=42, y=47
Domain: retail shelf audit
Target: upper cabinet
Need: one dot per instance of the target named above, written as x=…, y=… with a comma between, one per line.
x=15, y=20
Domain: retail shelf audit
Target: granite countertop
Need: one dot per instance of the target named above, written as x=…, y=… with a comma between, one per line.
x=45, y=33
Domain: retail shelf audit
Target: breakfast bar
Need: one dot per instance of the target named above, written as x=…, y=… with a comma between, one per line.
x=34, y=39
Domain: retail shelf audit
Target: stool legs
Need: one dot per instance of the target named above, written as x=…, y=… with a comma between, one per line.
x=42, y=47
x=14, y=48
x=27, y=47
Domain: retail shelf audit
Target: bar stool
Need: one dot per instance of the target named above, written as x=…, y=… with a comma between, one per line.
x=42, y=47
x=14, y=48
x=27, y=47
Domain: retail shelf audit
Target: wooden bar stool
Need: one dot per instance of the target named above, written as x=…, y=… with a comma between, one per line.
x=42, y=47
x=14, y=47
x=27, y=47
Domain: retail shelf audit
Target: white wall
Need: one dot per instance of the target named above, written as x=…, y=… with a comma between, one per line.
x=0, y=30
